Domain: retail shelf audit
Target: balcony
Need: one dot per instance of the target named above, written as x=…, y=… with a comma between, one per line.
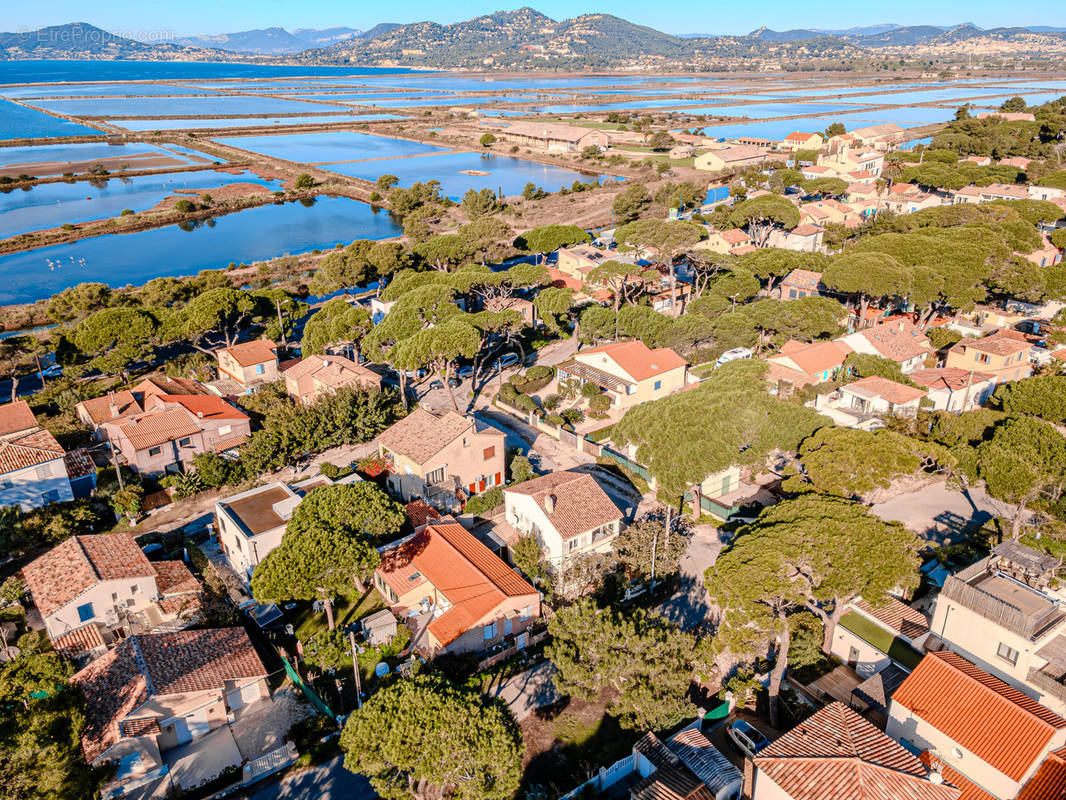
x=1003, y=600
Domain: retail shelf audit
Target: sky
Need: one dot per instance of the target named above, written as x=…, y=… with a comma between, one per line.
x=153, y=20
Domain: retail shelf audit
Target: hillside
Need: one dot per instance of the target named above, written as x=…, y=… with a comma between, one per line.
x=272, y=41
x=82, y=40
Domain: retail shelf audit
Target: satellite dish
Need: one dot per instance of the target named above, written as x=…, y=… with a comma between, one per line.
x=936, y=778
x=956, y=752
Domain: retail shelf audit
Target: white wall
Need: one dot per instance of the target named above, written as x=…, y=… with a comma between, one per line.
x=66, y=618
x=870, y=661
x=26, y=489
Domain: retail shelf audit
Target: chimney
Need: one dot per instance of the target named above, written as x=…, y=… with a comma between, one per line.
x=200, y=414
x=112, y=406
x=549, y=503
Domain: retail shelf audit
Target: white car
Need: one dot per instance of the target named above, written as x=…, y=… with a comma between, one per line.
x=733, y=355
x=745, y=737
x=508, y=360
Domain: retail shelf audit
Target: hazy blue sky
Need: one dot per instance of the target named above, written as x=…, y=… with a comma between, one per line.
x=682, y=16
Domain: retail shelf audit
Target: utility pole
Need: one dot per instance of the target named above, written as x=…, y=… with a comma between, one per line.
x=281, y=326
x=114, y=460
x=355, y=669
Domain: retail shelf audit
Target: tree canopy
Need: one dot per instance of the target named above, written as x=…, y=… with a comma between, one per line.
x=337, y=322
x=760, y=215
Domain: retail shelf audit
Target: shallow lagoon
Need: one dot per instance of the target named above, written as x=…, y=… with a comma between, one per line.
x=312, y=148
x=169, y=106
x=243, y=122
x=95, y=89
x=19, y=122
x=83, y=151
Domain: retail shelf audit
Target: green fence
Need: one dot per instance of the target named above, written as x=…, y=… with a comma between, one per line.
x=310, y=693
x=621, y=460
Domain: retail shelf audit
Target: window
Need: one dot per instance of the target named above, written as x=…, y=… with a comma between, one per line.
x=573, y=544
x=135, y=589
x=791, y=294
x=85, y=612
x=224, y=430
x=436, y=476
x=154, y=451
x=51, y=496
x=44, y=471
x=260, y=369
x=490, y=452
x=114, y=597
x=1007, y=653
x=489, y=631
x=982, y=358
x=185, y=442
x=658, y=385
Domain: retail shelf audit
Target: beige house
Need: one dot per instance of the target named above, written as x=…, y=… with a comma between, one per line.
x=804, y=363
x=630, y=373
x=738, y=157
x=876, y=395
x=1003, y=354
x=953, y=389
x=859, y=639
x=251, y=524
x=797, y=140
x=843, y=159
x=804, y=238
x=897, y=339
x=154, y=692
x=724, y=241
x=90, y=590
x=442, y=459
x=315, y=377
x=455, y=593
x=33, y=465
x=578, y=261
x=566, y=512
x=247, y=366
x=551, y=136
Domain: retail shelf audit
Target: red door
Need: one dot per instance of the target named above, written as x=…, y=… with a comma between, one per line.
x=499, y=480
x=481, y=485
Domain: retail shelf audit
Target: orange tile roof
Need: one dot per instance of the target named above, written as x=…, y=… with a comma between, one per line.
x=98, y=409
x=802, y=278
x=779, y=372
x=806, y=229
x=78, y=641
x=898, y=339
x=951, y=378
x=79, y=463
x=468, y=574
x=16, y=416
x=154, y=428
x=743, y=249
x=837, y=755
x=734, y=236
x=29, y=450
x=203, y=406
x=1049, y=782
x=173, y=577
x=968, y=789
x=799, y=136
x=248, y=354
x=637, y=360
x=164, y=384
x=896, y=393
x=816, y=357
x=979, y=712
x=419, y=513
x=580, y=504
x=1000, y=343
x=333, y=371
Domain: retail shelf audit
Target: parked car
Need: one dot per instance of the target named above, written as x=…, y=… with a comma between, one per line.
x=745, y=737
x=733, y=355
x=52, y=371
x=438, y=385
x=466, y=372
x=508, y=360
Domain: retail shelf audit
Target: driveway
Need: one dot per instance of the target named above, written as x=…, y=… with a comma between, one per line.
x=529, y=690
x=691, y=604
x=329, y=781
x=942, y=515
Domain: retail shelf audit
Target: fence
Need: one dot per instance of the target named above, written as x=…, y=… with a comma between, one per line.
x=503, y=655
x=268, y=764
x=606, y=777
x=312, y=696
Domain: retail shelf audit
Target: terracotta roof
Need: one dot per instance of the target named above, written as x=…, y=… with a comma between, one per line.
x=203, y=406
x=546, y=130
x=806, y=229
x=779, y=372
x=144, y=726
x=897, y=615
x=637, y=360
x=896, y=393
x=1049, y=782
x=837, y=755
x=421, y=435
x=16, y=416
x=814, y=358
x=799, y=136
x=803, y=278
x=898, y=339
x=148, y=665
x=78, y=641
x=743, y=249
x=79, y=463
x=461, y=568
x=232, y=443
x=173, y=577
x=79, y=563
x=248, y=354
x=951, y=378
x=968, y=790
x=1000, y=343
x=735, y=236
x=979, y=712
x=164, y=384
x=419, y=513
x=157, y=427
x=98, y=409
x=579, y=503
x=742, y=152
x=333, y=371
x=29, y=450
x=877, y=130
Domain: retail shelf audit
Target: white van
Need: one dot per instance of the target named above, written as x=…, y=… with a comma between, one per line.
x=733, y=355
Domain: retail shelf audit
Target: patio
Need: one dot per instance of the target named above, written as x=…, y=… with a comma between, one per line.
x=204, y=759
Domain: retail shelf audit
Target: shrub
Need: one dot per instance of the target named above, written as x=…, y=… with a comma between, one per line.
x=303, y=181
x=184, y=206
x=524, y=402
x=479, y=504
x=552, y=401
x=333, y=472
x=539, y=371
x=599, y=403
x=573, y=415
x=508, y=394
x=590, y=390
x=555, y=419
x=126, y=212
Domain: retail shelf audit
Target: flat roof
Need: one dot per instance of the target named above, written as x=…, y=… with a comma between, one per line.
x=256, y=511
x=1027, y=600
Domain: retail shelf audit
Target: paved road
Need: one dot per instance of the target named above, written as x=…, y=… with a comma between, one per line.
x=690, y=604
x=529, y=690
x=940, y=514
x=329, y=781
x=28, y=384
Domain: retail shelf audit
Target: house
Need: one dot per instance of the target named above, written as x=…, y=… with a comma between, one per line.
x=837, y=755
x=830, y=212
x=630, y=373
x=723, y=241
x=33, y=465
x=801, y=141
x=862, y=192
x=1046, y=255
x=1010, y=116
x=1003, y=354
x=954, y=389
x=578, y=261
x=459, y=596
x=109, y=408
x=243, y=368
x=814, y=171
x=878, y=136
x=310, y=379
x=682, y=151
x=981, y=161
x=174, y=429
x=251, y=524
x=164, y=384
x=90, y=589
x=1002, y=614
x=991, y=737
x=685, y=767
x=566, y=512
x=876, y=395
x=803, y=363
x=552, y=137
x=841, y=159
x=799, y=283
x=897, y=339
x=871, y=637
x=154, y=692
x=804, y=238
x=738, y=157
x=442, y=459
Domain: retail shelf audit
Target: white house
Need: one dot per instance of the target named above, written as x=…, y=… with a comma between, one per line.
x=954, y=389
x=33, y=471
x=251, y=524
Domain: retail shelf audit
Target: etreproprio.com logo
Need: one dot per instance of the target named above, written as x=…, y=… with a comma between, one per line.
x=77, y=34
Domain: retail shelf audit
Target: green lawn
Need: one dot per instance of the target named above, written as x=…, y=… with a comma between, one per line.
x=347, y=609
x=868, y=631
x=704, y=370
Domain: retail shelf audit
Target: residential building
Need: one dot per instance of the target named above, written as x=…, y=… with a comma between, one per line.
x=843, y=159
x=33, y=465
x=1046, y=255
x=804, y=238
x=578, y=261
x=244, y=367
x=801, y=363
x=552, y=137
x=153, y=692
x=310, y=379
x=1003, y=354
x=876, y=395
x=164, y=384
x=897, y=339
x=954, y=389
x=630, y=373
x=830, y=212
x=993, y=191
x=863, y=192
x=457, y=595
x=1010, y=116
x=738, y=157
x=991, y=737
x=251, y=524
x=685, y=767
x=91, y=589
x=837, y=755
x=566, y=512
x=981, y=161
x=872, y=637
x=724, y=241
x=110, y=408
x=878, y=136
x=1001, y=614
x=442, y=459
x=801, y=141
x=799, y=283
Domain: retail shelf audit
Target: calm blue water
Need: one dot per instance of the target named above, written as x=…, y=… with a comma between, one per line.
x=241, y=122
x=84, y=151
x=780, y=128
x=39, y=71
x=136, y=258
x=506, y=173
x=591, y=108
x=52, y=204
x=95, y=89
x=18, y=122
x=311, y=148
x=765, y=110
x=915, y=142
x=169, y=106
x=930, y=96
